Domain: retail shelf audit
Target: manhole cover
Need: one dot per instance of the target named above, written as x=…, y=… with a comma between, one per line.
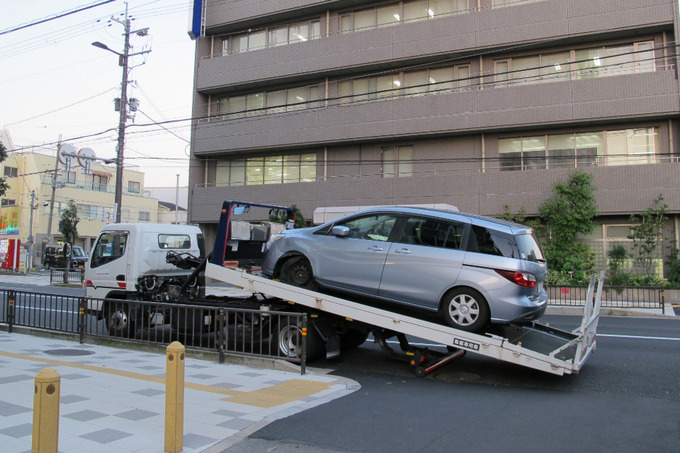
x=68, y=352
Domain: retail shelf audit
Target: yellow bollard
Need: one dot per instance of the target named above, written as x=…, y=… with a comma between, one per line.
x=174, y=398
x=46, y=411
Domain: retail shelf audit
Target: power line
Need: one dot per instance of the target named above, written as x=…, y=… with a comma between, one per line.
x=58, y=16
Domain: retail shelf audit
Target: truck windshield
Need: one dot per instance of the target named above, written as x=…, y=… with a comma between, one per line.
x=110, y=246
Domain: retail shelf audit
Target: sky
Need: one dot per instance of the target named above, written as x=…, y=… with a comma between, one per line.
x=55, y=85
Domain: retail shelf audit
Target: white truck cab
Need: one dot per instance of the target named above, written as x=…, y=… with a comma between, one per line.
x=129, y=261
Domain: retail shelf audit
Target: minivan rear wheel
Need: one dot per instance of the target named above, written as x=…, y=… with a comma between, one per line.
x=465, y=309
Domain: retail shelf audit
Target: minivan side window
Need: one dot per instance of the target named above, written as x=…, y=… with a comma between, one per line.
x=375, y=227
x=110, y=246
x=432, y=233
x=492, y=242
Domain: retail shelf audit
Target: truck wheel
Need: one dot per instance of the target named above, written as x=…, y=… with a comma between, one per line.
x=298, y=272
x=119, y=322
x=465, y=309
x=289, y=342
x=353, y=338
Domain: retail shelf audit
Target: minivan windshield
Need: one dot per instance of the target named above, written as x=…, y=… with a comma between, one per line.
x=529, y=248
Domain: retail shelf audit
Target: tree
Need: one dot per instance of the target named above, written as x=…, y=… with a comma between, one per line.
x=648, y=233
x=571, y=210
x=282, y=217
x=68, y=227
x=3, y=183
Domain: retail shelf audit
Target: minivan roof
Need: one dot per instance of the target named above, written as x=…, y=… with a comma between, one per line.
x=475, y=219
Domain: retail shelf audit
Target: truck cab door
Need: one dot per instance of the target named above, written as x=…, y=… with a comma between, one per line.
x=108, y=268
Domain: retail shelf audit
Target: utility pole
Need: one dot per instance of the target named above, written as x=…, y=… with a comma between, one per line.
x=54, y=191
x=123, y=104
x=29, y=260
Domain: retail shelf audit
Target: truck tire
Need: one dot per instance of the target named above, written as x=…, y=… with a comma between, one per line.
x=297, y=271
x=119, y=320
x=288, y=342
x=353, y=338
x=465, y=309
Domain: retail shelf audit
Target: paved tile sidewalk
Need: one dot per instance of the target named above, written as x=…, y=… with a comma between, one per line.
x=113, y=400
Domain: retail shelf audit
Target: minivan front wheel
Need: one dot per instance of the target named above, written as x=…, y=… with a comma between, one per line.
x=465, y=309
x=298, y=271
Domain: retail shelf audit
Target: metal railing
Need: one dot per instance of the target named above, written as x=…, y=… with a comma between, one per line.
x=62, y=275
x=262, y=333
x=612, y=297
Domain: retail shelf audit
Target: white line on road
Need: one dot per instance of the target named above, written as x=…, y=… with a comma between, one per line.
x=638, y=337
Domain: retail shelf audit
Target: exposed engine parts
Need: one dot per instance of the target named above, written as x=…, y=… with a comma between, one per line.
x=167, y=289
x=183, y=260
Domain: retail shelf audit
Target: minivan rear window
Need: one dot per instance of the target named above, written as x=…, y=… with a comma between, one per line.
x=492, y=242
x=529, y=248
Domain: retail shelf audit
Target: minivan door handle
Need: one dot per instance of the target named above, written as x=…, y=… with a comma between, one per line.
x=403, y=251
x=375, y=248
x=120, y=278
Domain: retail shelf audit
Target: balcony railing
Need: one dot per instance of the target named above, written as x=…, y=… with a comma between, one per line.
x=94, y=187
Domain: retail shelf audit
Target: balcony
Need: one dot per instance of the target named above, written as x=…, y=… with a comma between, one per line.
x=455, y=35
x=92, y=187
x=641, y=96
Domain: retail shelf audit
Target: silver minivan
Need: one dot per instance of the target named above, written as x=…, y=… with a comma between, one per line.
x=470, y=269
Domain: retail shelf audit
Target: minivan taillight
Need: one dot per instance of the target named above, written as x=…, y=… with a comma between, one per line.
x=520, y=278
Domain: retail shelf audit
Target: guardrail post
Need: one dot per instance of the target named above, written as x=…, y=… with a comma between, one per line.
x=11, y=299
x=174, y=397
x=46, y=411
x=82, y=304
x=303, y=339
x=221, y=333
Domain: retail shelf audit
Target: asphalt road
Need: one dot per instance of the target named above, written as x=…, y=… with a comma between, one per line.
x=625, y=399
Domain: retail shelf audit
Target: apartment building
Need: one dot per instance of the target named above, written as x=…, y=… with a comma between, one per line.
x=480, y=104
x=29, y=175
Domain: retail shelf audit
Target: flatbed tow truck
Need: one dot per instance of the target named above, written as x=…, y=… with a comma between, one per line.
x=162, y=263
x=534, y=346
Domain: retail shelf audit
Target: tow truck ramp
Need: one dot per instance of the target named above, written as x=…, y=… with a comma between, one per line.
x=537, y=346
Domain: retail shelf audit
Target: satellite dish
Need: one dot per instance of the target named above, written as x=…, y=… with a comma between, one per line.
x=85, y=155
x=85, y=158
x=65, y=149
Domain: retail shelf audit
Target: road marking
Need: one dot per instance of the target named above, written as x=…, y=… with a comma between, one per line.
x=267, y=397
x=638, y=337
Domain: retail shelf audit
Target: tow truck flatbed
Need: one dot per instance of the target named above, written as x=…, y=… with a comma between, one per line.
x=536, y=346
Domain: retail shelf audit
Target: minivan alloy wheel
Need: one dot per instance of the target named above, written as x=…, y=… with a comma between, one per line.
x=466, y=309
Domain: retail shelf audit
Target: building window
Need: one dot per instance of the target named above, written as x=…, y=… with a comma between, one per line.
x=282, y=169
x=578, y=150
x=272, y=37
x=7, y=202
x=143, y=216
x=271, y=102
x=11, y=172
x=576, y=64
x=397, y=161
x=99, y=183
x=398, y=13
x=505, y=3
x=134, y=187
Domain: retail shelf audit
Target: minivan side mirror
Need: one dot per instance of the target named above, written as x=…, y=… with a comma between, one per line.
x=340, y=231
